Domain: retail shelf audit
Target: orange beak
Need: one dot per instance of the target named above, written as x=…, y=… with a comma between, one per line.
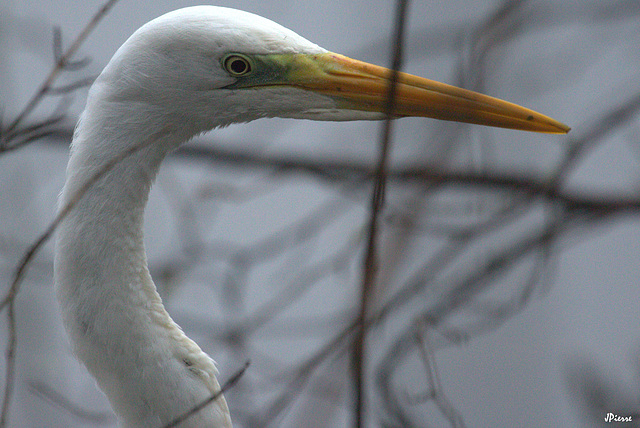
x=357, y=85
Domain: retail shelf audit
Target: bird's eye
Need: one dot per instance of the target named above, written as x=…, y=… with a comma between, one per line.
x=237, y=65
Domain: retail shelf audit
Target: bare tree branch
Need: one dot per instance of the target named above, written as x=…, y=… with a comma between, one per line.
x=369, y=268
x=62, y=62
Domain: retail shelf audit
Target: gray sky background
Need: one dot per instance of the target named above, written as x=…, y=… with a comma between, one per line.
x=576, y=62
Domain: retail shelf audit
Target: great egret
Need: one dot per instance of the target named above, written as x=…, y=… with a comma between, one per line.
x=184, y=73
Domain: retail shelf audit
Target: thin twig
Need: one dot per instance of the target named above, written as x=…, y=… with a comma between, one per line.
x=227, y=385
x=436, y=391
x=71, y=87
x=58, y=54
x=10, y=357
x=359, y=360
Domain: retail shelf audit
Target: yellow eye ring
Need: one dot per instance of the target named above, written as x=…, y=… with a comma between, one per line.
x=237, y=65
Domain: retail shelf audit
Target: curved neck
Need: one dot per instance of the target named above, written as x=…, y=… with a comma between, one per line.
x=150, y=371
x=100, y=243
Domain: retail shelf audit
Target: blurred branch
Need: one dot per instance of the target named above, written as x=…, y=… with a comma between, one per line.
x=13, y=135
x=299, y=376
x=31, y=133
x=304, y=279
x=63, y=61
x=435, y=391
x=45, y=391
x=71, y=87
x=359, y=172
x=606, y=124
x=460, y=292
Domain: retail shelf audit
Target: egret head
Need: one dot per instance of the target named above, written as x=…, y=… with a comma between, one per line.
x=203, y=67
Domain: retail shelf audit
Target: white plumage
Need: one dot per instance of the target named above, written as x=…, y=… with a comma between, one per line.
x=182, y=74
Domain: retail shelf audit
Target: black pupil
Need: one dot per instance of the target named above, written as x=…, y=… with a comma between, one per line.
x=238, y=66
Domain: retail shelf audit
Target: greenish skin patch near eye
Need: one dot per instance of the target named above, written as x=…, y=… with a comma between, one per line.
x=265, y=70
x=297, y=70
x=321, y=73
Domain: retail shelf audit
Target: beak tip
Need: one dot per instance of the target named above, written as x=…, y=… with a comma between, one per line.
x=547, y=124
x=562, y=128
